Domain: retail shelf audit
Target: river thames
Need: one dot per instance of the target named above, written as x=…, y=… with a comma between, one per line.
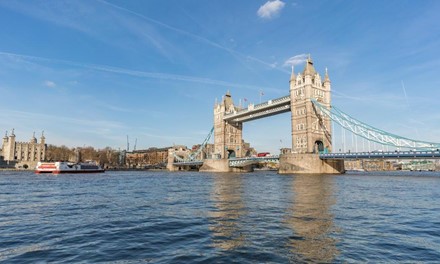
x=191, y=217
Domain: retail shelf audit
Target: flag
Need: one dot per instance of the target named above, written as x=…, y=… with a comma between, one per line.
x=261, y=93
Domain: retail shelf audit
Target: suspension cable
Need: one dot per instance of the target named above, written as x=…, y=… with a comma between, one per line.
x=371, y=133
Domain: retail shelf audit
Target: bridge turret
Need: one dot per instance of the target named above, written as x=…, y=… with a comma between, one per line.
x=326, y=78
x=309, y=69
x=292, y=78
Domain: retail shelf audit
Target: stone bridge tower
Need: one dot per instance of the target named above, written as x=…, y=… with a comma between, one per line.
x=227, y=137
x=311, y=130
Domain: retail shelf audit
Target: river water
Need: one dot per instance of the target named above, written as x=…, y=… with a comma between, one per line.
x=191, y=217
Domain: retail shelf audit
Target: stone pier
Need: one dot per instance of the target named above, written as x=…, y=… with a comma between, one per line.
x=221, y=165
x=304, y=163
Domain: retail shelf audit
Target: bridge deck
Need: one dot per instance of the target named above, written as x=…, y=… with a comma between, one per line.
x=252, y=112
x=189, y=163
x=241, y=162
x=383, y=155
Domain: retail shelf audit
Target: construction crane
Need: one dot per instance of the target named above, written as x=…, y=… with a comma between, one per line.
x=128, y=145
x=135, y=143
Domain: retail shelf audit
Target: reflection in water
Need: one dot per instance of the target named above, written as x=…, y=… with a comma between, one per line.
x=229, y=208
x=311, y=220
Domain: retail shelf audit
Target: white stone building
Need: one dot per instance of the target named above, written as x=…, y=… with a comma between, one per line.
x=23, y=152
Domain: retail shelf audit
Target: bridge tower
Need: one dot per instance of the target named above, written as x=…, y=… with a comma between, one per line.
x=311, y=130
x=227, y=136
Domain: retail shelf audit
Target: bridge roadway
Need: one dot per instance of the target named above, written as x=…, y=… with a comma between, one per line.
x=241, y=162
x=383, y=155
x=233, y=162
x=252, y=112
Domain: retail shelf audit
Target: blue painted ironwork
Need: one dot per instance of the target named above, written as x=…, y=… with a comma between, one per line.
x=242, y=162
x=252, y=112
x=189, y=163
x=371, y=133
x=383, y=155
x=192, y=157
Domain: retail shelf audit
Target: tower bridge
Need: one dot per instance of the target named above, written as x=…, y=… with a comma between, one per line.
x=309, y=102
x=311, y=130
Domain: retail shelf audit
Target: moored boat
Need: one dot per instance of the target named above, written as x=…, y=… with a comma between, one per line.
x=68, y=167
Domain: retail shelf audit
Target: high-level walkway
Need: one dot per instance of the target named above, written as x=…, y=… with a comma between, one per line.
x=252, y=112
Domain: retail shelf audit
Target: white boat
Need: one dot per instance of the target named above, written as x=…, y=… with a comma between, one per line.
x=68, y=167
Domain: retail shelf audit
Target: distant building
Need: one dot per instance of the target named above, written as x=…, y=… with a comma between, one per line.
x=147, y=158
x=371, y=165
x=23, y=152
x=419, y=165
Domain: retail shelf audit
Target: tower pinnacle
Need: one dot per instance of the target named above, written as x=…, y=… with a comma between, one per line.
x=326, y=78
x=309, y=69
x=292, y=75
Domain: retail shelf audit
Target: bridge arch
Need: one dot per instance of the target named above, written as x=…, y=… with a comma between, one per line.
x=231, y=153
x=319, y=147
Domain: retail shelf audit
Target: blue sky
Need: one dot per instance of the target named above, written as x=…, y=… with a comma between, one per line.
x=92, y=72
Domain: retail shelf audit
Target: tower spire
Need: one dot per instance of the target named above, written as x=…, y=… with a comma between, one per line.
x=292, y=75
x=326, y=78
x=309, y=69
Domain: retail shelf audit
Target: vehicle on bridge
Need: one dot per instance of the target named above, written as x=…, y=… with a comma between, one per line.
x=263, y=154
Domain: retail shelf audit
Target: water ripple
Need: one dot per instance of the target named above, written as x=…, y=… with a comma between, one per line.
x=159, y=217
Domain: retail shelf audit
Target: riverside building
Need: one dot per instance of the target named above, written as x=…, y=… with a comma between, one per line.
x=23, y=154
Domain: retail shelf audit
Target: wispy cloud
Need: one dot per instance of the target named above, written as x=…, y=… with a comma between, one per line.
x=29, y=116
x=296, y=60
x=92, y=18
x=64, y=13
x=201, y=39
x=143, y=74
x=50, y=84
x=26, y=122
x=270, y=9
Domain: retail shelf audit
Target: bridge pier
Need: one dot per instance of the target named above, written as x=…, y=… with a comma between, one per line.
x=305, y=163
x=222, y=165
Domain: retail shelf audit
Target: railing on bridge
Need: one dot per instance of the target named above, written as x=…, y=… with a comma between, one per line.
x=252, y=112
x=383, y=155
x=189, y=163
x=241, y=162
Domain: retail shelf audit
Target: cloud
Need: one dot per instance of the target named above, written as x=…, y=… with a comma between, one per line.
x=296, y=60
x=50, y=84
x=199, y=38
x=270, y=9
x=143, y=74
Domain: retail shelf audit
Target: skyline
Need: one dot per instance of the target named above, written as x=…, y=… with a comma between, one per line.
x=92, y=72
